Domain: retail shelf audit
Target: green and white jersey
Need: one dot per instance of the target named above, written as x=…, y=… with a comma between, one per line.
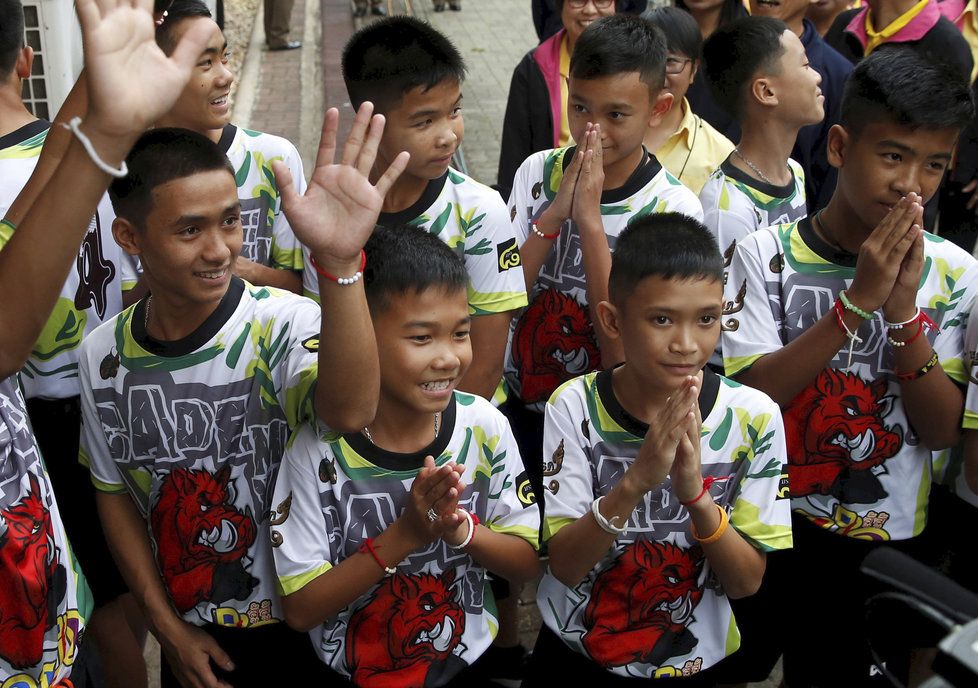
x=436, y=615
x=553, y=339
x=857, y=466
x=471, y=218
x=194, y=431
x=736, y=205
x=91, y=294
x=652, y=607
x=44, y=599
x=268, y=238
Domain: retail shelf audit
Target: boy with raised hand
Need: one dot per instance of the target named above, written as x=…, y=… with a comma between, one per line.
x=46, y=601
x=568, y=206
x=383, y=537
x=758, y=70
x=650, y=463
x=189, y=395
x=270, y=255
x=413, y=74
x=852, y=321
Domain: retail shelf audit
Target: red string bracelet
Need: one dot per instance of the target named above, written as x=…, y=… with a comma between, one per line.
x=368, y=548
x=345, y=281
x=543, y=235
x=707, y=482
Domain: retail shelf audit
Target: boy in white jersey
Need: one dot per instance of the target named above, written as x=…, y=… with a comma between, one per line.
x=270, y=255
x=189, y=395
x=853, y=322
x=649, y=463
x=383, y=537
x=759, y=71
x=45, y=601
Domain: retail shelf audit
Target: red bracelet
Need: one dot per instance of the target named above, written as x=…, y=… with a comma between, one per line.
x=707, y=482
x=542, y=235
x=920, y=372
x=345, y=281
x=368, y=548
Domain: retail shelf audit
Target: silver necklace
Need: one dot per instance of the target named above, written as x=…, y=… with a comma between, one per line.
x=754, y=167
x=149, y=300
x=366, y=430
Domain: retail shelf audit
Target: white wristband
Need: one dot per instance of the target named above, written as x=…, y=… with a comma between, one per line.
x=86, y=143
x=900, y=325
x=605, y=524
x=468, y=537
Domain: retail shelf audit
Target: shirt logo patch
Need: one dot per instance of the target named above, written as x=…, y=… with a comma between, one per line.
x=525, y=490
x=508, y=255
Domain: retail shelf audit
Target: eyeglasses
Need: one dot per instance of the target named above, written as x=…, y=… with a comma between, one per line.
x=675, y=65
x=598, y=4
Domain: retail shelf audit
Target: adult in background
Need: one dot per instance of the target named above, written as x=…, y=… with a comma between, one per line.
x=546, y=14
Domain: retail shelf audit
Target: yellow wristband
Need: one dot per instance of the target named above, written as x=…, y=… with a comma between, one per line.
x=718, y=533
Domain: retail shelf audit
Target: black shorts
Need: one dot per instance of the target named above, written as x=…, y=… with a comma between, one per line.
x=57, y=427
x=553, y=663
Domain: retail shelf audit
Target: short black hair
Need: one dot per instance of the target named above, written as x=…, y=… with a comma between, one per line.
x=666, y=245
x=11, y=34
x=735, y=54
x=619, y=44
x=405, y=258
x=679, y=29
x=176, y=11
x=388, y=58
x=160, y=156
x=898, y=85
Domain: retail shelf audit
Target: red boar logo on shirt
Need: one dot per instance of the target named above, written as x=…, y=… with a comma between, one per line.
x=641, y=606
x=201, y=538
x=410, y=623
x=836, y=436
x=32, y=582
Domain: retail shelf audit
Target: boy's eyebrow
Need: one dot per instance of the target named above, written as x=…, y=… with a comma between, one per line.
x=184, y=219
x=431, y=324
x=432, y=111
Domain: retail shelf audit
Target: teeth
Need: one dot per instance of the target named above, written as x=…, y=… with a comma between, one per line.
x=220, y=101
x=436, y=386
x=212, y=275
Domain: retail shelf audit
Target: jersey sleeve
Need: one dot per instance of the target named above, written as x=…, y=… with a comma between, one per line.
x=512, y=508
x=570, y=493
x=762, y=507
x=300, y=544
x=970, y=362
x=492, y=256
x=750, y=329
x=299, y=365
x=94, y=450
x=955, y=308
x=286, y=252
x=684, y=201
x=520, y=203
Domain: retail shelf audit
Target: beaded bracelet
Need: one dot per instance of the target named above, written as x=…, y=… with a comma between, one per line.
x=853, y=308
x=473, y=520
x=542, y=235
x=343, y=281
x=707, y=483
x=368, y=548
x=900, y=325
x=920, y=372
x=718, y=533
x=926, y=324
x=605, y=524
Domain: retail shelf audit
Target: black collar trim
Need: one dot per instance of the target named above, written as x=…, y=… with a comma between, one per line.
x=412, y=212
x=770, y=189
x=25, y=132
x=196, y=339
x=708, y=398
x=227, y=136
x=413, y=461
x=822, y=248
x=644, y=173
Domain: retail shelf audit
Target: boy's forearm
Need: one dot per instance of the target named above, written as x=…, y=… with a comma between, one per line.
x=783, y=374
x=933, y=402
x=508, y=556
x=597, y=270
x=738, y=565
x=348, y=386
x=488, y=335
x=264, y=276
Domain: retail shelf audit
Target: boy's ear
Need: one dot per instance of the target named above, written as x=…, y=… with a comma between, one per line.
x=25, y=62
x=126, y=235
x=609, y=319
x=761, y=91
x=660, y=106
x=835, y=147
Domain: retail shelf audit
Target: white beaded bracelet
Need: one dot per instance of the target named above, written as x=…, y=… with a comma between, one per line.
x=605, y=524
x=468, y=537
x=901, y=325
x=548, y=237
x=86, y=143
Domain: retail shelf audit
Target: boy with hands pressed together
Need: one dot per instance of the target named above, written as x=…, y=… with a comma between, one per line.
x=650, y=464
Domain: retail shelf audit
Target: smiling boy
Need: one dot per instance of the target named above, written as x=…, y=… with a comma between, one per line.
x=853, y=322
x=648, y=465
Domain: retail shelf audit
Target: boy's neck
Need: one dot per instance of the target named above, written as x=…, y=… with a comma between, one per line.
x=882, y=13
x=404, y=193
x=639, y=399
x=13, y=113
x=767, y=146
x=616, y=174
x=400, y=429
x=797, y=24
x=839, y=225
x=169, y=319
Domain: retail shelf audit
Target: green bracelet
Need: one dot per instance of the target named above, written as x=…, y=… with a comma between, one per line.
x=850, y=306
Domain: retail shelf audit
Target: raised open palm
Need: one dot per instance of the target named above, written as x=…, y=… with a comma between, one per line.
x=337, y=214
